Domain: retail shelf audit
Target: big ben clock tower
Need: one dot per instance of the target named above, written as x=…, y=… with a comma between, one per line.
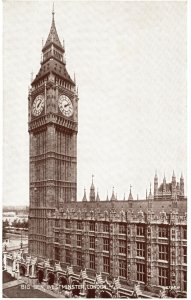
x=52, y=125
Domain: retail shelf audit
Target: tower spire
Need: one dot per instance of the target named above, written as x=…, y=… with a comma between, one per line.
x=92, y=190
x=53, y=36
x=130, y=194
x=97, y=197
x=113, y=195
x=84, y=197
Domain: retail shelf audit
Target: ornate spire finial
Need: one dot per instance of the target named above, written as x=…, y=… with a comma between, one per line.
x=53, y=10
x=146, y=193
x=92, y=179
x=156, y=174
x=150, y=187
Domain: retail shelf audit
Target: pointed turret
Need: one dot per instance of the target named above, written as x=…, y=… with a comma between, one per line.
x=107, y=199
x=150, y=197
x=164, y=184
x=97, y=197
x=173, y=185
x=84, y=197
x=181, y=185
x=155, y=184
x=124, y=197
x=130, y=198
x=113, y=196
x=92, y=190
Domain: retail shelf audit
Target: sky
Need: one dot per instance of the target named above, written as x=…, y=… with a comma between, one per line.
x=130, y=64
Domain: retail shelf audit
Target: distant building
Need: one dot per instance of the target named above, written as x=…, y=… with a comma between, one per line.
x=12, y=216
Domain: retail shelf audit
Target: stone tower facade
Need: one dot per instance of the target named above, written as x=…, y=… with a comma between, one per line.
x=52, y=125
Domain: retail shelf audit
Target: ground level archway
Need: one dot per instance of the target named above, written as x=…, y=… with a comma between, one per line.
x=105, y=294
x=90, y=293
x=40, y=276
x=22, y=270
x=51, y=278
x=63, y=283
x=76, y=289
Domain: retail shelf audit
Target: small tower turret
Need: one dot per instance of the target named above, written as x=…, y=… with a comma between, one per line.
x=173, y=185
x=92, y=191
x=97, y=197
x=155, y=185
x=181, y=185
x=130, y=198
x=84, y=197
x=164, y=185
x=150, y=198
x=113, y=196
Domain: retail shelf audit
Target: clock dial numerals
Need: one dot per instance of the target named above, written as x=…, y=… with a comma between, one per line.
x=65, y=106
x=38, y=105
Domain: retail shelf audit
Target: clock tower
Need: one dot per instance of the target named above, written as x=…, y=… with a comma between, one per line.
x=52, y=126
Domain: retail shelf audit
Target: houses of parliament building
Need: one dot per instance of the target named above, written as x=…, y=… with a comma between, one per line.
x=93, y=248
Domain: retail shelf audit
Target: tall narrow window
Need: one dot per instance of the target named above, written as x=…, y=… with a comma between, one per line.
x=185, y=280
x=68, y=239
x=92, y=242
x=122, y=247
x=79, y=240
x=140, y=230
x=92, y=226
x=163, y=252
x=163, y=232
x=106, y=264
x=122, y=268
x=122, y=229
x=92, y=261
x=68, y=256
x=163, y=278
x=105, y=227
x=141, y=272
x=141, y=249
x=106, y=244
x=185, y=255
x=79, y=259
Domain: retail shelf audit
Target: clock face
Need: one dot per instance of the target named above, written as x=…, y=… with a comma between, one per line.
x=38, y=105
x=65, y=106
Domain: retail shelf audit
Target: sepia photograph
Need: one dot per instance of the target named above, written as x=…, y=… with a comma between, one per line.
x=94, y=149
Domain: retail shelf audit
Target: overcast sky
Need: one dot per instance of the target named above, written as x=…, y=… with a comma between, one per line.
x=130, y=65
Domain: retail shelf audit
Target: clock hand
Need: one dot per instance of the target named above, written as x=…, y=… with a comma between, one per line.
x=66, y=105
x=38, y=104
